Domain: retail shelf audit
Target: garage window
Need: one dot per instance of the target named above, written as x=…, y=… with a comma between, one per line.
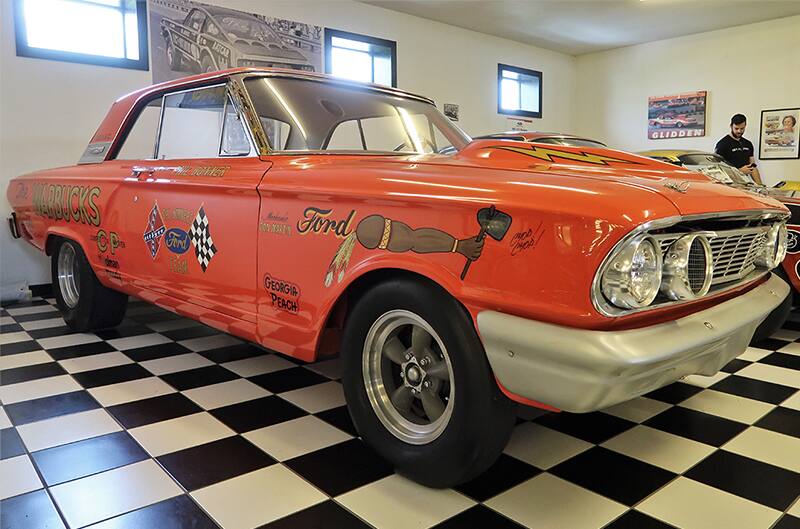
x=360, y=58
x=519, y=91
x=103, y=32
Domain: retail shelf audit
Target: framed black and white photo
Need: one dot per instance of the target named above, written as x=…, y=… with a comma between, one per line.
x=451, y=111
x=780, y=134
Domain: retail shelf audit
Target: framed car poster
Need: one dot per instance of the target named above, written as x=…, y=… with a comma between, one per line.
x=677, y=116
x=780, y=134
x=188, y=37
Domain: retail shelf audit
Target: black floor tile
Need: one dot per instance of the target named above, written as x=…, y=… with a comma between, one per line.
x=83, y=458
x=791, y=325
x=19, y=347
x=782, y=360
x=340, y=418
x=27, y=373
x=31, y=510
x=78, y=351
x=636, y=520
x=762, y=483
x=10, y=327
x=258, y=413
x=153, y=352
x=696, y=425
x=10, y=443
x=195, y=378
x=754, y=389
x=613, y=475
x=50, y=332
x=18, y=304
x=46, y=315
x=124, y=331
x=49, y=407
x=782, y=420
x=289, y=379
x=771, y=344
x=341, y=467
x=154, y=409
x=505, y=473
x=188, y=333
x=595, y=427
x=325, y=515
x=674, y=393
x=111, y=375
x=175, y=513
x=787, y=522
x=232, y=353
x=213, y=462
x=735, y=365
x=477, y=517
x=156, y=317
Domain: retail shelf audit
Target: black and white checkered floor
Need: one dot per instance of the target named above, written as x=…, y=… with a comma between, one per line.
x=165, y=423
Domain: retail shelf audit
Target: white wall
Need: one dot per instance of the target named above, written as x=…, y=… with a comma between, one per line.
x=49, y=110
x=745, y=69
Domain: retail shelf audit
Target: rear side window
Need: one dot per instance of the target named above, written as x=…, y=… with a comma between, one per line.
x=141, y=141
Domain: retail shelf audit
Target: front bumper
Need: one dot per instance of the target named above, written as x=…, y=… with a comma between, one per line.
x=580, y=370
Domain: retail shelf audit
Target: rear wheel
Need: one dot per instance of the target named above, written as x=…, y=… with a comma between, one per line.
x=84, y=302
x=173, y=57
x=419, y=387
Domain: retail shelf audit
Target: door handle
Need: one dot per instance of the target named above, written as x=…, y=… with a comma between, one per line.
x=138, y=170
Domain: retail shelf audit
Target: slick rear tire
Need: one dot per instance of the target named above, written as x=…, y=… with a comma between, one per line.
x=455, y=422
x=85, y=303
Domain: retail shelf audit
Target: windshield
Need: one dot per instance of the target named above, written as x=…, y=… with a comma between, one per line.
x=700, y=158
x=716, y=167
x=247, y=28
x=310, y=115
x=570, y=142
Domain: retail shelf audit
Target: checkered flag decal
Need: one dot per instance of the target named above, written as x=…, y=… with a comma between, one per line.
x=200, y=234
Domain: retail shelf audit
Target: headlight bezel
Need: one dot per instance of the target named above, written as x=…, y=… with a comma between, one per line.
x=676, y=268
x=775, y=247
x=616, y=282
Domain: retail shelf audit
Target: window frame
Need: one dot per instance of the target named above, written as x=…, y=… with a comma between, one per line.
x=392, y=45
x=522, y=71
x=24, y=50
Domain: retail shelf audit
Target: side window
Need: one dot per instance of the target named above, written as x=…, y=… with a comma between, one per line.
x=192, y=123
x=196, y=20
x=141, y=141
x=234, y=136
x=212, y=29
x=277, y=132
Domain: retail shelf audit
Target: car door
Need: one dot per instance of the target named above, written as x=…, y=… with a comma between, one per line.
x=191, y=210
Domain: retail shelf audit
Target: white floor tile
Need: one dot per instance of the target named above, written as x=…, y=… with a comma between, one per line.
x=767, y=446
x=68, y=340
x=67, y=429
x=795, y=510
x=114, y=492
x=35, y=389
x=258, y=365
x=542, y=447
x=774, y=374
x=327, y=368
x=14, y=337
x=296, y=437
x=142, y=340
x=691, y=505
x=172, y=325
x=704, y=381
x=754, y=354
x=786, y=334
x=257, y=498
x=37, y=309
x=397, y=503
x=547, y=502
x=317, y=398
x=7, y=320
x=792, y=349
x=205, y=343
x=226, y=393
x=176, y=434
x=5, y=422
x=638, y=410
x=49, y=323
x=144, y=388
x=17, y=476
x=662, y=449
x=97, y=361
x=173, y=364
x=728, y=406
x=792, y=402
x=24, y=359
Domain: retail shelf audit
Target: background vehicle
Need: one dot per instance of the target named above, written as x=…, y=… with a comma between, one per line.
x=669, y=121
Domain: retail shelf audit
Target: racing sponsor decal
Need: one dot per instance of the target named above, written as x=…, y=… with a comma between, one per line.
x=522, y=241
x=792, y=241
x=200, y=235
x=178, y=265
x=377, y=232
x=154, y=231
x=107, y=241
x=177, y=240
x=67, y=203
x=317, y=220
x=284, y=295
x=548, y=154
x=205, y=170
x=275, y=224
x=179, y=214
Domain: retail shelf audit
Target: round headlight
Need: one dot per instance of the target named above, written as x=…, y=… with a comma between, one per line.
x=632, y=278
x=688, y=268
x=774, y=249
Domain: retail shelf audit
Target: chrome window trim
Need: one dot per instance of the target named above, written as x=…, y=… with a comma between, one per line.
x=602, y=306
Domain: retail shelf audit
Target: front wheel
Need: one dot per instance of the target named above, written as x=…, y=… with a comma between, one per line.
x=84, y=302
x=419, y=387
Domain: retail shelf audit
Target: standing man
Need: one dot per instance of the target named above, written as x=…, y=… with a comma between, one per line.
x=737, y=150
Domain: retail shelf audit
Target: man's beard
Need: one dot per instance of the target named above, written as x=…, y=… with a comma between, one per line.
x=738, y=135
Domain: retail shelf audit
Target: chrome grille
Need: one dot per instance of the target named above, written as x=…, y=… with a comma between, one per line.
x=697, y=266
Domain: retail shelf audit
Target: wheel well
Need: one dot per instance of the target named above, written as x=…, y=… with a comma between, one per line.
x=51, y=243
x=330, y=337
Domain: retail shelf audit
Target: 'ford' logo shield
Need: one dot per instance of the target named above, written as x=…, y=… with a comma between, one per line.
x=177, y=240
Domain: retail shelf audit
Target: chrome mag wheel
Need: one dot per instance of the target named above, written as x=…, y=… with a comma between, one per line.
x=408, y=377
x=68, y=275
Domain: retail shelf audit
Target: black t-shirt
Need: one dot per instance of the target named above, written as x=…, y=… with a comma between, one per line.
x=736, y=152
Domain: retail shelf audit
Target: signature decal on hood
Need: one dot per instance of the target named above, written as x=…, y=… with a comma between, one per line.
x=549, y=155
x=680, y=187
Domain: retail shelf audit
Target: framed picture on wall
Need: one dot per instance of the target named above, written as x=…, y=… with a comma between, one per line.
x=677, y=116
x=780, y=134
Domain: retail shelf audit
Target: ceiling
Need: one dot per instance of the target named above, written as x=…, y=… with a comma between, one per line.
x=576, y=27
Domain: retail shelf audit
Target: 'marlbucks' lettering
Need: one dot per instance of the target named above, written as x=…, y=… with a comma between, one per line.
x=67, y=203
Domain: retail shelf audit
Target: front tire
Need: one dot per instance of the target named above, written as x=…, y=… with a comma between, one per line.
x=85, y=303
x=173, y=57
x=418, y=385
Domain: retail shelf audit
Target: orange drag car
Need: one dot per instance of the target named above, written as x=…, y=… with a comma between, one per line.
x=316, y=216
